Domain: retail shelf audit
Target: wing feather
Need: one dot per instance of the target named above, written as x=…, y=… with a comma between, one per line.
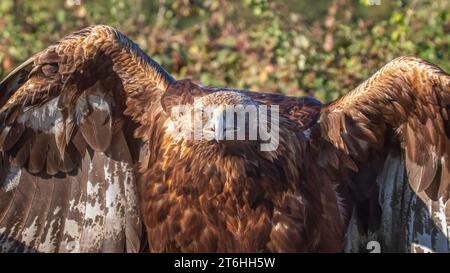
x=401, y=107
x=68, y=175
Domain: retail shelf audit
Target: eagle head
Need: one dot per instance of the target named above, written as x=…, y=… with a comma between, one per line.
x=226, y=118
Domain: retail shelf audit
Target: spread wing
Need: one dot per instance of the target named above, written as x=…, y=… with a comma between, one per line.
x=71, y=122
x=395, y=126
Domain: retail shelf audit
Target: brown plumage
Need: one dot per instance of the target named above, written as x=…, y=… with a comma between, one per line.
x=89, y=161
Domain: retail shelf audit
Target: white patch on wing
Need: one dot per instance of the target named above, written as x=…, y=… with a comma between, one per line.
x=440, y=215
x=104, y=221
x=49, y=118
x=95, y=100
x=423, y=227
x=29, y=233
x=92, y=235
x=57, y=209
x=42, y=118
x=115, y=203
x=72, y=227
x=99, y=102
x=389, y=180
x=418, y=248
x=12, y=179
x=410, y=221
x=50, y=241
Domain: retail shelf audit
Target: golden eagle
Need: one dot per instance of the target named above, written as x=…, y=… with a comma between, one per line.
x=89, y=161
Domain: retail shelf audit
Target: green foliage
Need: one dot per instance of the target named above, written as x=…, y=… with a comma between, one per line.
x=321, y=47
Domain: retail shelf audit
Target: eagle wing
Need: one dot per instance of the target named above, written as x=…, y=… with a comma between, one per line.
x=71, y=122
x=395, y=126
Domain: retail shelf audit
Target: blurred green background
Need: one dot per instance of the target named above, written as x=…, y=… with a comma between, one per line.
x=320, y=47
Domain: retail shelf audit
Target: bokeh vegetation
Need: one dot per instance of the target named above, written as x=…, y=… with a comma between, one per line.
x=319, y=47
